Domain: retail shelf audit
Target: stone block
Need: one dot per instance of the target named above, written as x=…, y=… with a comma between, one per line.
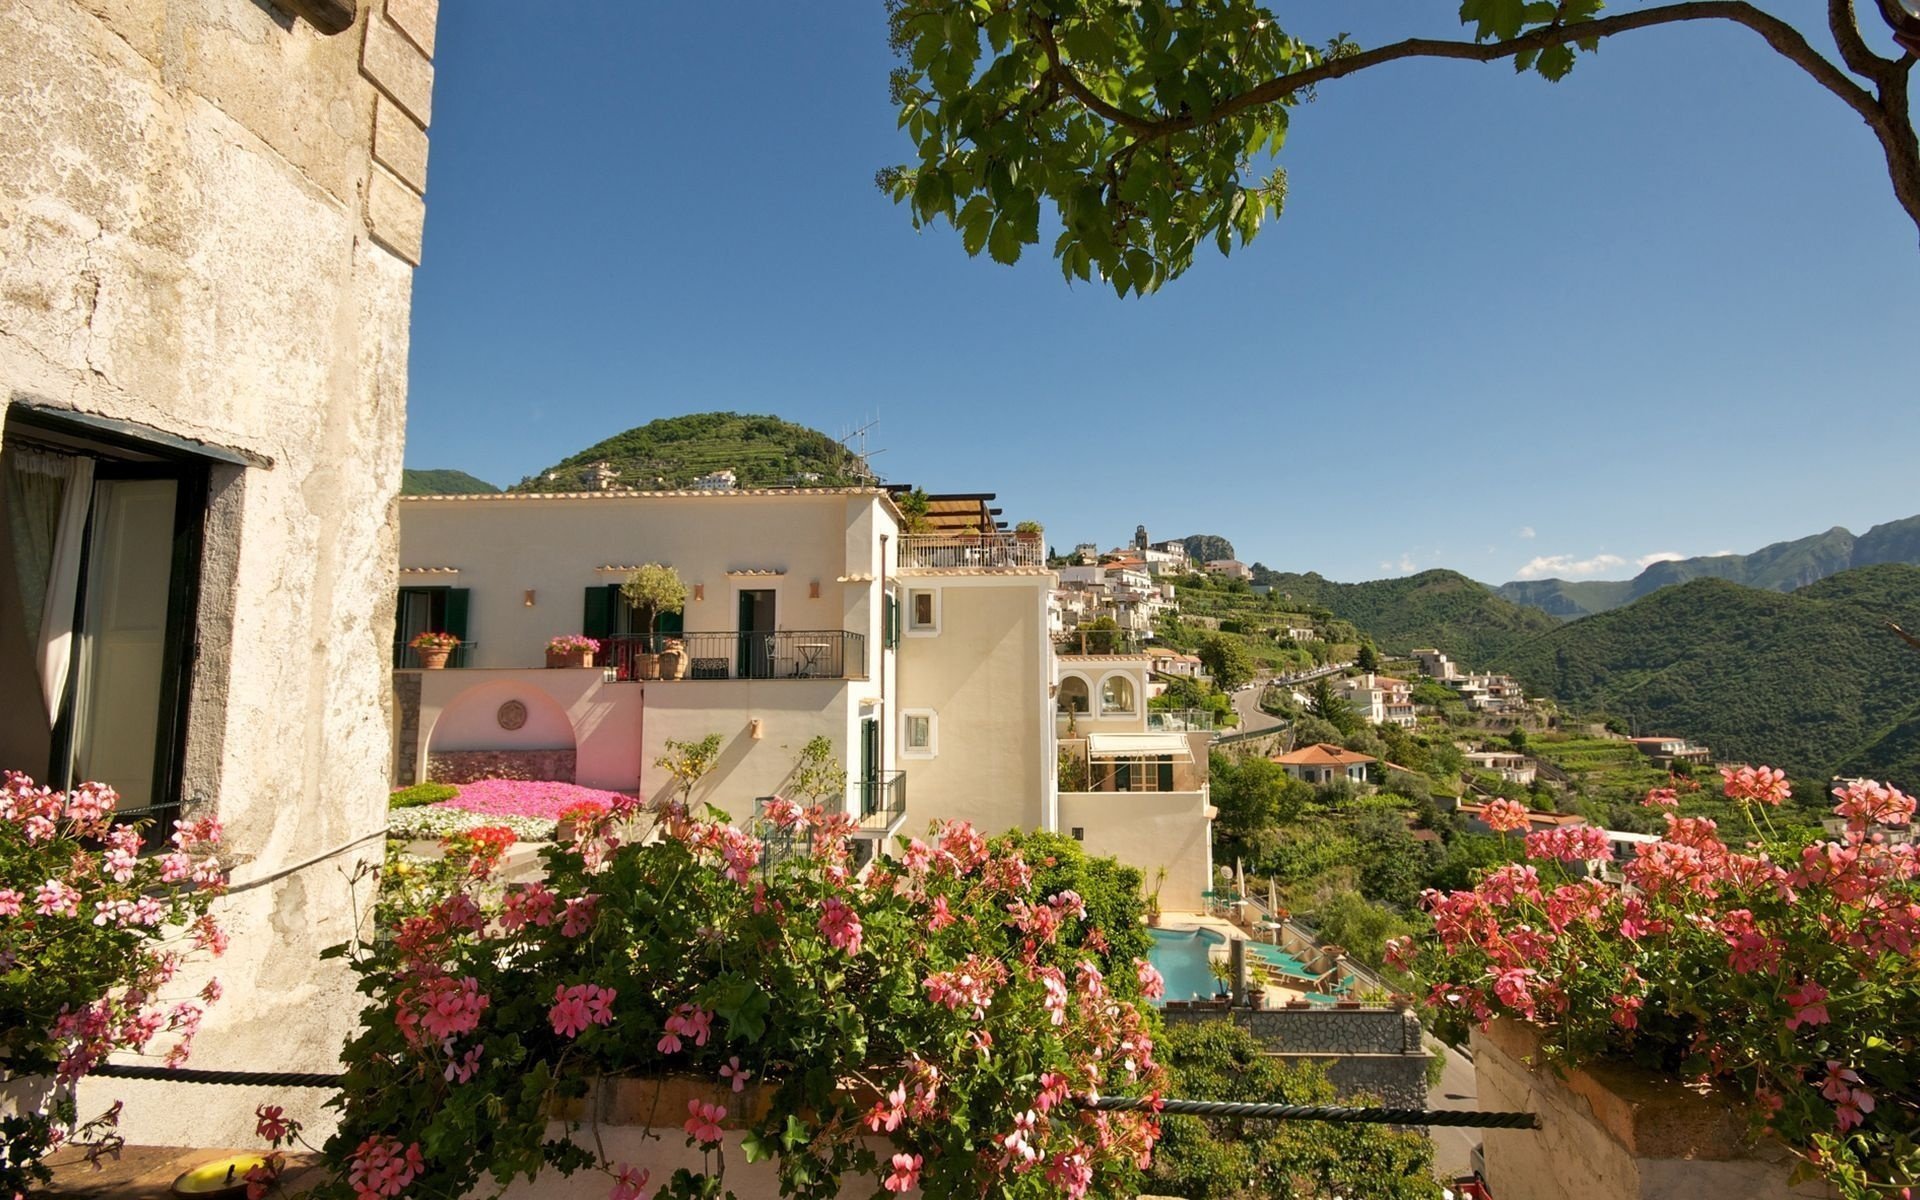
x=399, y=144
x=417, y=19
x=396, y=215
x=470, y=766
x=397, y=67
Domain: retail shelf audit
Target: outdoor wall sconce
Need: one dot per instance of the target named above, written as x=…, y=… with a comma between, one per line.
x=1903, y=17
x=699, y=591
x=529, y=597
x=813, y=590
x=756, y=729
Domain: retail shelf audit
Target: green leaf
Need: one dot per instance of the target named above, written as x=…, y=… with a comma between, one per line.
x=755, y=1149
x=1004, y=242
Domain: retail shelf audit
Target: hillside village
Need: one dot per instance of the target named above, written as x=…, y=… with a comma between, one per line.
x=708, y=815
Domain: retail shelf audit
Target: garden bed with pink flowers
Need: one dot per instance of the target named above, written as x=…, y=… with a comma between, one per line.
x=531, y=808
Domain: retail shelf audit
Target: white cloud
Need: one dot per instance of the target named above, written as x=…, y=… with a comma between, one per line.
x=1566, y=566
x=1406, y=565
x=1647, y=560
x=1526, y=533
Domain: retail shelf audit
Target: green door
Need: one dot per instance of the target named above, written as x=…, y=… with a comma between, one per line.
x=869, y=766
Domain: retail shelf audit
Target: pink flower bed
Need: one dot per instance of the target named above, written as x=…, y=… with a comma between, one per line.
x=520, y=798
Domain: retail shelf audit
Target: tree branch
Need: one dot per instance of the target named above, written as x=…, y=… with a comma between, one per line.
x=1854, y=51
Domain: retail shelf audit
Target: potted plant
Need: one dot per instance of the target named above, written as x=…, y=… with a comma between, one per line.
x=653, y=589
x=1028, y=532
x=433, y=648
x=571, y=650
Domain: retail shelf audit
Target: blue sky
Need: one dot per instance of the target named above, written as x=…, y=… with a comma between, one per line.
x=1668, y=306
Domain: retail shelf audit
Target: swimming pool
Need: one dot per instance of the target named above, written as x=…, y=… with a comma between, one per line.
x=1180, y=955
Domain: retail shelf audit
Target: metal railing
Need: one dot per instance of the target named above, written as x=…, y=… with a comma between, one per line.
x=1079, y=772
x=951, y=550
x=406, y=657
x=736, y=654
x=882, y=799
x=1179, y=720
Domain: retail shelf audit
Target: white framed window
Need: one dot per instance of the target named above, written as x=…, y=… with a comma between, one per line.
x=923, y=612
x=1116, y=695
x=919, y=733
x=1073, y=696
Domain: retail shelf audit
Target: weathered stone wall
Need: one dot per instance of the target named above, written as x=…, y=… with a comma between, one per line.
x=209, y=219
x=1372, y=1050
x=468, y=766
x=406, y=722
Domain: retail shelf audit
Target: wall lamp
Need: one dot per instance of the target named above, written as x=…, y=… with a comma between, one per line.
x=1903, y=17
x=529, y=597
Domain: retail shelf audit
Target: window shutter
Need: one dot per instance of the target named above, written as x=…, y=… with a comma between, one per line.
x=892, y=623
x=1166, y=774
x=457, y=612
x=673, y=624
x=597, y=621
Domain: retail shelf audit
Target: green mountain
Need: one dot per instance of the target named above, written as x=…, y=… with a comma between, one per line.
x=442, y=483
x=1808, y=680
x=1444, y=609
x=674, y=451
x=1206, y=547
x=1781, y=567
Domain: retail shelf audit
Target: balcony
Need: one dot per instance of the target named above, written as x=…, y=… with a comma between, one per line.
x=882, y=801
x=950, y=551
x=1179, y=720
x=1096, y=641
x=733, y=654
x=407, y=658
x=1130, y=763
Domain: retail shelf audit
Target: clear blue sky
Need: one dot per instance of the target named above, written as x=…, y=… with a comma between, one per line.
x=1666, y=306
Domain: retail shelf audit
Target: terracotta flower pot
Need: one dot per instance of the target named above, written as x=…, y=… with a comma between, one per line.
x=646, y=666
x=434, y=658
x=674, y=661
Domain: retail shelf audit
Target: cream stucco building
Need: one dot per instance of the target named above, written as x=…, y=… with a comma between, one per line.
x=927, y=661
x=210, y=214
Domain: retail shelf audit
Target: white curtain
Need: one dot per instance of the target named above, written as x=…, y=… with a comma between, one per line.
x=48, y=496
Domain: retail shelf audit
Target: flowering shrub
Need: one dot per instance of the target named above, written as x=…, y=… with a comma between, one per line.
x=91, y=932
x=433, y=822
x=543, y=800
x=573, y=643
x=927, y=1024
x=433, y=640
x=1785, y=970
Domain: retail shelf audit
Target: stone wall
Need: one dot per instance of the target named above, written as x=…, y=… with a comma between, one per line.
x=406, y=723
x=469, y=766
x=1372, y=1050
x=210, y=213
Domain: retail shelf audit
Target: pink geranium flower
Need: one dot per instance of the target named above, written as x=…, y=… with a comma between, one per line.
x=703, y=1121
x=905, y=1175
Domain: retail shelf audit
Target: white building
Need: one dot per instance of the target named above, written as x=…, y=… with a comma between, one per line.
x=809, y=615
x=723, y=480
x=1509, y=765
x=1232, y=568
x=1379, y=699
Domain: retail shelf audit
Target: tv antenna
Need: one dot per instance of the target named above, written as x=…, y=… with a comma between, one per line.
x=855, y=443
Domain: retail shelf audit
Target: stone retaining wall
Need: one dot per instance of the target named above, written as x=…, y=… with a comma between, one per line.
x=470, y=766
x=1373, y=1050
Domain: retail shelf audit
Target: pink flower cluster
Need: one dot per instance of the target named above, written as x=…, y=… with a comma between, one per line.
x=541, y=800
x=381, y=1167
x=1505, y=816
x=1795, y=978
x=583, y=1004
x=687, y=1021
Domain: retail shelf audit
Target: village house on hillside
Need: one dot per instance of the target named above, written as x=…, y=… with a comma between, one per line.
x=1323, y=763
x=927, y=661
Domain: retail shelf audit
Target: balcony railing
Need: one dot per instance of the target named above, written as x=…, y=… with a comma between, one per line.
x=406, y=657
x=951, y=550
x=1079, y=772
x=735, y=654
x=882, y=800
x=1096, y=641
x=1179, y=720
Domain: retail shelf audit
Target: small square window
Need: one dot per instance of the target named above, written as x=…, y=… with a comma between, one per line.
x=918, y=734
x=923, y=612
x=1079, y=833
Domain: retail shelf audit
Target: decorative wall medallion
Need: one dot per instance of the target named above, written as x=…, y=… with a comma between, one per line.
x=512, y=715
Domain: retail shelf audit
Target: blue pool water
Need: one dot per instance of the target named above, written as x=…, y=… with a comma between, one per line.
x=1180, y=955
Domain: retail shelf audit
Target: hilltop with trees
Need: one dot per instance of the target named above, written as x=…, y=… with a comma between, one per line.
x=761, y=451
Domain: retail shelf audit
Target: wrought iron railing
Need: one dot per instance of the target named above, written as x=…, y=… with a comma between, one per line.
x=736, y=654
x=406, y=657
x=952, y=550
x=882, y=799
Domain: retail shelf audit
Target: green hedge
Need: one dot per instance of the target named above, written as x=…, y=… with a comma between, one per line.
x=422, y=793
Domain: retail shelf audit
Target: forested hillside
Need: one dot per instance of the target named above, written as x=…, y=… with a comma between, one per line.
x=1809, y=680
x=442, y=483
x=672, y=452
x=1443, y=609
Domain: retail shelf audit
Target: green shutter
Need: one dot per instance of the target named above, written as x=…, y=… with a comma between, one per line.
x=457, y=612
x=672, y=624
x=1166, y=774
x=597, y=621
x=892, y=624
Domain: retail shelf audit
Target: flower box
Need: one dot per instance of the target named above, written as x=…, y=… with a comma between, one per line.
x=569, y=658
x=1611, y=1131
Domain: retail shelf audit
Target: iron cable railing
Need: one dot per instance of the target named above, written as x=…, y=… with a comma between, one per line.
x=882, y=799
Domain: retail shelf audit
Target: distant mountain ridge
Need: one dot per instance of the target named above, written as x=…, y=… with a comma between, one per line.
x=1808, y=680
x=1780, y=567
x=1444, y=609
x=761, y=451
x=442, y=483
